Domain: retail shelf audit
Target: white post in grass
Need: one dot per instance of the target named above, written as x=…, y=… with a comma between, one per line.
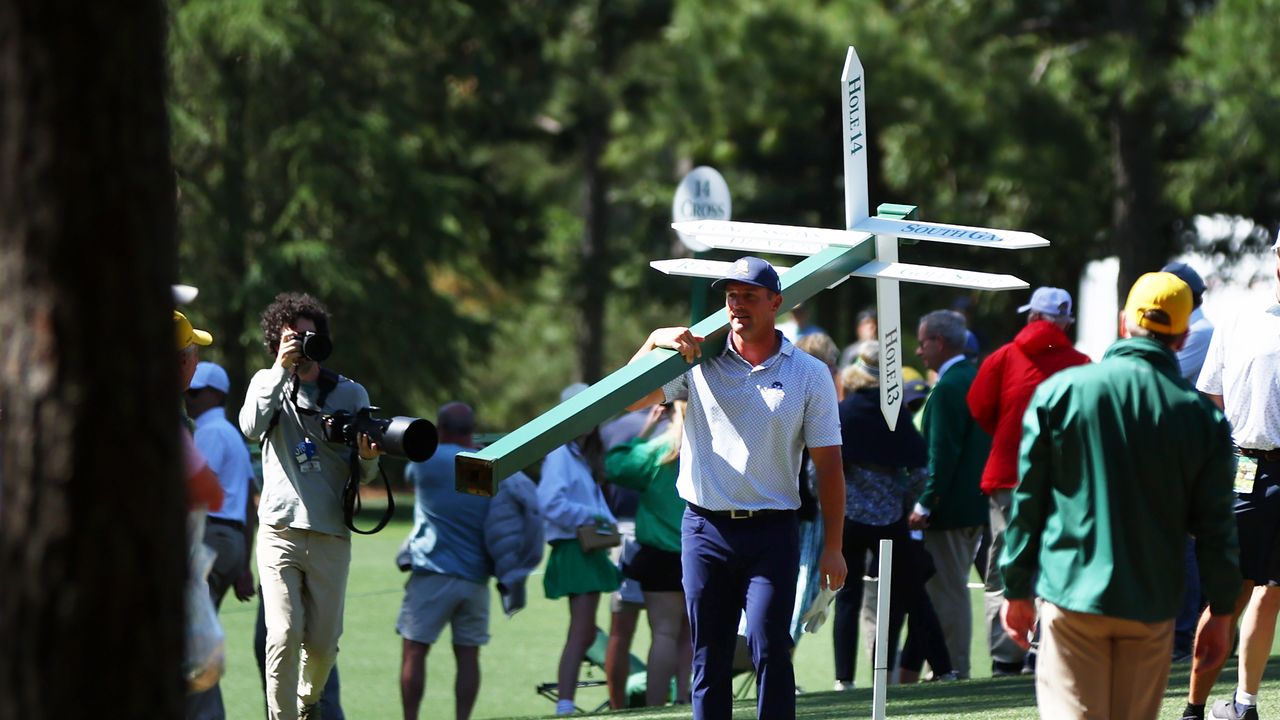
x=880, y=675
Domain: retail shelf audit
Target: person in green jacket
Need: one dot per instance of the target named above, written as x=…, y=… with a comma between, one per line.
x=650, y=466
x=952, y=509
x=1119, y=462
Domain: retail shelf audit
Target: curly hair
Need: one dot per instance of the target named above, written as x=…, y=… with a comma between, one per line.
x=285, y=310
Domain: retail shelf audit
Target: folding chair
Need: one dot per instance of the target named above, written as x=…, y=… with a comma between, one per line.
x=636, y=676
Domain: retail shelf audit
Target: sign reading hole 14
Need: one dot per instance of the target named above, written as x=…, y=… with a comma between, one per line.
x=701, y=195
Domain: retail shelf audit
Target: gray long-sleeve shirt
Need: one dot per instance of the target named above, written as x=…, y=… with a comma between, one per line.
x=302, y=474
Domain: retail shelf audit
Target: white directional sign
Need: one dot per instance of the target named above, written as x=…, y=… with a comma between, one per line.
x=859, y=228
x=761, y=237
x=933, y=275
x=956, y=234
x=854, y=113
x=694, y=267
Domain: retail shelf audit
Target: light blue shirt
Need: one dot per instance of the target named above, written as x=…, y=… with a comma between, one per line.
x=568, y=495
x=448, y=526
x=1191, y=356
x=223, y=448
x=747, y=425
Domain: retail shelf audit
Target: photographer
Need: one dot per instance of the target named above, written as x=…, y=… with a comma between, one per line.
x=304, y=547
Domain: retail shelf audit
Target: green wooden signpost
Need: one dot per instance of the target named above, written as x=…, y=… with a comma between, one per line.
x=866, y=248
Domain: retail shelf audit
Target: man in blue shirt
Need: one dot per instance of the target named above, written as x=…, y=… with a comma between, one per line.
x=226, y=531
x=449, y=584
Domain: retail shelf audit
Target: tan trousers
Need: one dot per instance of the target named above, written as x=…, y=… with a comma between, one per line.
x=953, y=552
x=304, y=586
x=1097, y=667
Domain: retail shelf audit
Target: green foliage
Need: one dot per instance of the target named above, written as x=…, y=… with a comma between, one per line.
x=475, y=188
x=355, y=151
x=1228, y=80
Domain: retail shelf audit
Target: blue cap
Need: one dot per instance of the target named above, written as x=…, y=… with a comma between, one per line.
x=914, y=390
x=1188, y=275
x=752, y=271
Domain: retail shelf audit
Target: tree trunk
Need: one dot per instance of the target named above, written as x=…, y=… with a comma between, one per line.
x=234, y=249
x=1136, y=217
x=595, y=265
x=1135, y=224
x=92, y=505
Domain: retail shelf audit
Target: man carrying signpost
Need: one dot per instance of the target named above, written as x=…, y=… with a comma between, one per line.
x=867, y=247
x=753, y=408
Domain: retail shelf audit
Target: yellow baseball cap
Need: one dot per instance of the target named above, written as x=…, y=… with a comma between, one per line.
x=1160, y=302
x=188, y=335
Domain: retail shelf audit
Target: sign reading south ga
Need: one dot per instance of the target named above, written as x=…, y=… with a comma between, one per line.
x=959, y=234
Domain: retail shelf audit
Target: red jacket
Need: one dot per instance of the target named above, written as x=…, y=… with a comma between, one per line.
x=1002, y=390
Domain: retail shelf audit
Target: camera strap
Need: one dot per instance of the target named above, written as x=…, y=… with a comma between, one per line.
x=351, y=499
x=327, y=381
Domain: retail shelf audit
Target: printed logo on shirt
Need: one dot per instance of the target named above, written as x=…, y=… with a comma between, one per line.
x=773, y=395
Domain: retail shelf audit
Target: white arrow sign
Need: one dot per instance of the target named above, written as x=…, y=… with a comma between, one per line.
x=854, y=112
x=738, y=229
x=859, y=228
x=691, y=267
x=932, y=275
x=874, y=270
x=957, y=234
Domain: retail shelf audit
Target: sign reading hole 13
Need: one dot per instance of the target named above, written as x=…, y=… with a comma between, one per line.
x=701, y=195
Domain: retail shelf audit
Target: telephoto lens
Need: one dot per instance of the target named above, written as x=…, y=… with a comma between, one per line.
x=401, y=436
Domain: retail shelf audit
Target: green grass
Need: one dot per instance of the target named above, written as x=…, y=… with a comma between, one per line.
x=524, y=650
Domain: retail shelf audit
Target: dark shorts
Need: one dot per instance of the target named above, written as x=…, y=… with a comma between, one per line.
x=1258, y=522
x=656, y=570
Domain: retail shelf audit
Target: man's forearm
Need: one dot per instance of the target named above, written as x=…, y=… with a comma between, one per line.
x=830, y=494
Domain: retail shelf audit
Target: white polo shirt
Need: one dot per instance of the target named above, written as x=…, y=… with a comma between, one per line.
x=1243, y=366
x=746, y=427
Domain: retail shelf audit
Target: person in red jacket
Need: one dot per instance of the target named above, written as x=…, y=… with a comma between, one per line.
x=997, y=400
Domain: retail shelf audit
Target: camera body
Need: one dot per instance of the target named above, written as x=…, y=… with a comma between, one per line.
x=315, y=346
x=401, y=436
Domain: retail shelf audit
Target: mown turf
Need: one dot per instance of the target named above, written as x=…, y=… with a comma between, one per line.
x=524, y=650
x=996, y=699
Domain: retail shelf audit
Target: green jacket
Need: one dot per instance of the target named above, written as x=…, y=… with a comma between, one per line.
x=958, y=451
x=1120, y=461
x=635, y=464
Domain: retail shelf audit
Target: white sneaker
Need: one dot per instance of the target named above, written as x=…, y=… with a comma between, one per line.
x=841, y=686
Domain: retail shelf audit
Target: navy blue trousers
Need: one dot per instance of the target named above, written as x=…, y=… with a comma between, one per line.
x=732, y=565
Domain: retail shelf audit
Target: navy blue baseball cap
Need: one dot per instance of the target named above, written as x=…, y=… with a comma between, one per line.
x=915, y=390
x=752, y=271
x=1187, y=275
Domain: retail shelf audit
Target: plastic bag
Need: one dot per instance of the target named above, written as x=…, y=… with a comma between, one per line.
x=205, y=657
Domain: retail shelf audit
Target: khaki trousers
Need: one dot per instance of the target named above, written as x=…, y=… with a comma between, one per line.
x=1003, y=648
x=1097, y=667
x=953, y=552
x=304, y=587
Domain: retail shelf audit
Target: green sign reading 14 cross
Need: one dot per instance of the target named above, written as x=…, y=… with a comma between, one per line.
x=866, y=248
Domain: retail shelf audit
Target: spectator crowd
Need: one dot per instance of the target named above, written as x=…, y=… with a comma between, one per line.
x=1119, y=515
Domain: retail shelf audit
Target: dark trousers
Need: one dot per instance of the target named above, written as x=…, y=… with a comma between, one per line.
x=906, y=596
x=859, y=540
x=731, y=565
x=1184, y=626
